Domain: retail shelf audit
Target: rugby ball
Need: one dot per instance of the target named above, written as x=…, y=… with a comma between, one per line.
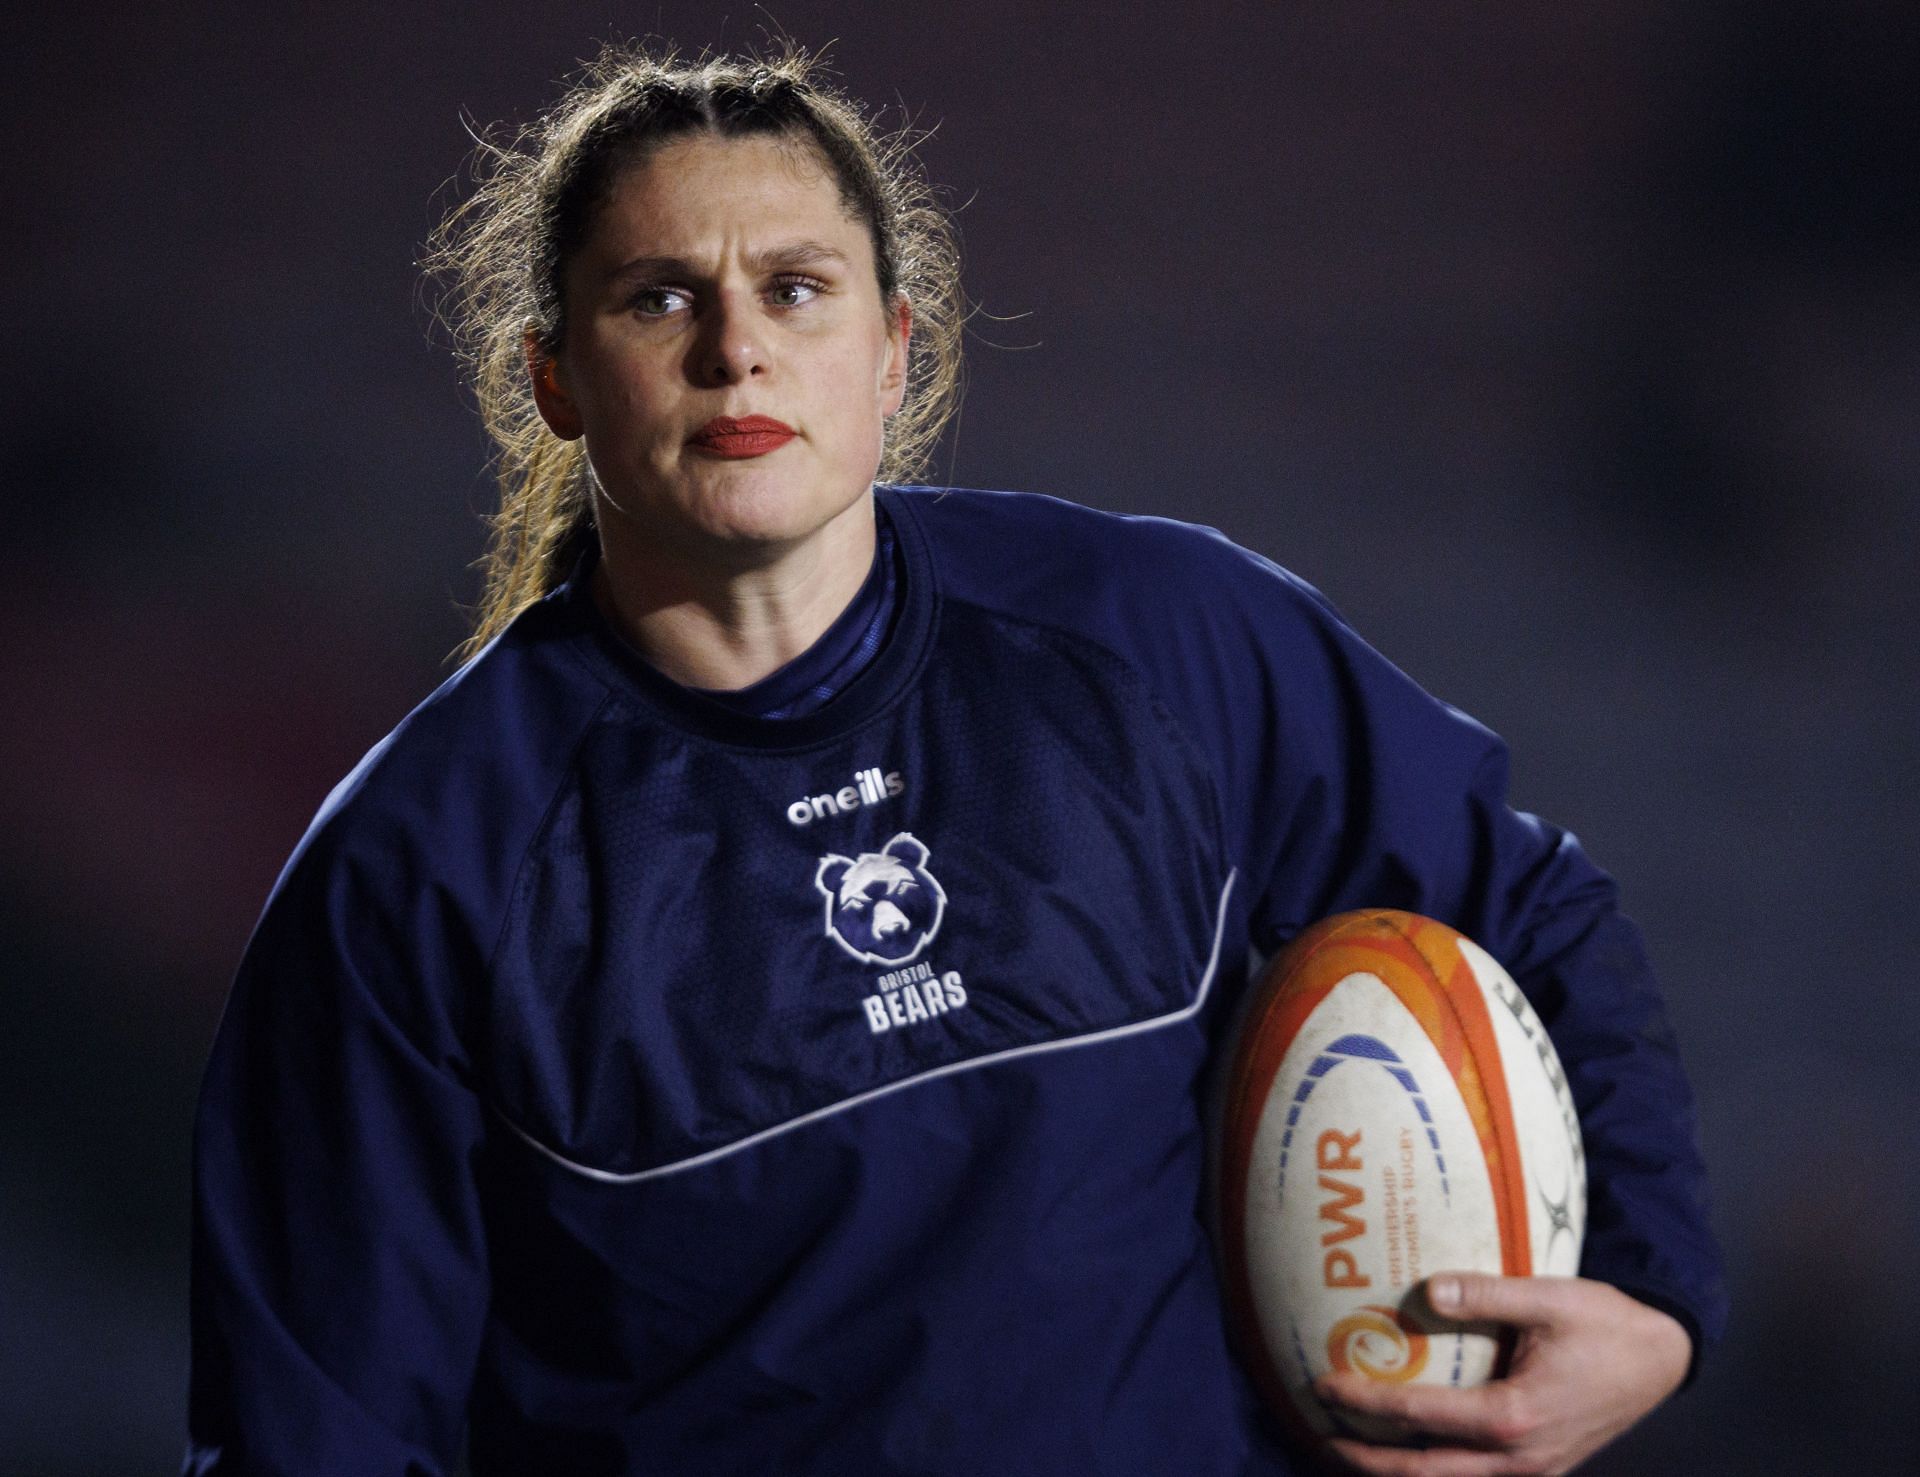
x=1393, y=1109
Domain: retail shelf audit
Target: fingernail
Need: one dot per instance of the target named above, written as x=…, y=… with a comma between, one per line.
x=1444, y=1294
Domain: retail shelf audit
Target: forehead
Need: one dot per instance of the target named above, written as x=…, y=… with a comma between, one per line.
x=696, y=194
x=875, y=867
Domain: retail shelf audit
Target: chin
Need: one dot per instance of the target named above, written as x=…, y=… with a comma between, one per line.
x=738, y=506
x=767, y=512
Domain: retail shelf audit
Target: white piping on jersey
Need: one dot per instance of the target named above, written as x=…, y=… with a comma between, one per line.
x=1111, y=1033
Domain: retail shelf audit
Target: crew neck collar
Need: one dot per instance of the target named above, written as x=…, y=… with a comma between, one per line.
x=874, y=688
x=818, y=675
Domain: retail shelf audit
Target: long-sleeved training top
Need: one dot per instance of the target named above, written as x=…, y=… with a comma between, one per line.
x=644, y=1087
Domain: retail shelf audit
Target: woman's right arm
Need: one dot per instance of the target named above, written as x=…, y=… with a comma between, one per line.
x=340, y=1279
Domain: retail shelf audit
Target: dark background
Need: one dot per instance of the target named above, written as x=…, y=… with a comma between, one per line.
x=1573, y=350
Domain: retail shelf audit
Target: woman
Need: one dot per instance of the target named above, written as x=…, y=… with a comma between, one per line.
x=752, y=1017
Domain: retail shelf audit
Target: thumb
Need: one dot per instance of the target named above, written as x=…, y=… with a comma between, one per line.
x=1477, y=1297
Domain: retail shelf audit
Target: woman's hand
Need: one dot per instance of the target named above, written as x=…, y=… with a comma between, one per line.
x=1590, y=1361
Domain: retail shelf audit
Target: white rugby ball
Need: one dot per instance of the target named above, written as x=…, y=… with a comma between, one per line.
x=1393, y=1109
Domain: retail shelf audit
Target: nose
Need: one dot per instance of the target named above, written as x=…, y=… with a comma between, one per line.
x=733, y=347
x=888, y=920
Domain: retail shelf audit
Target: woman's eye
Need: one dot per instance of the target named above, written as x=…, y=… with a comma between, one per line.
x=791, y=292
x=658, y=302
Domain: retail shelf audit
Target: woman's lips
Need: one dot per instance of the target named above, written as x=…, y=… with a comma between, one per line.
x=752, y=435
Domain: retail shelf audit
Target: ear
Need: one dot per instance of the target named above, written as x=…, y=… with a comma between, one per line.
x=893, y=376
x=550, y=397
x=832, y=869
x=906, y=848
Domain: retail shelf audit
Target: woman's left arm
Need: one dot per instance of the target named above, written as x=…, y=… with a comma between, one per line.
x=1360, y=791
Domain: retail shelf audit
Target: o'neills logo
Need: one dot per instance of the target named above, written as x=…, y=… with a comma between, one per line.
x=869, y=787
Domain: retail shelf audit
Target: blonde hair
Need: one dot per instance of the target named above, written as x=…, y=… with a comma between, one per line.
x=500, y=256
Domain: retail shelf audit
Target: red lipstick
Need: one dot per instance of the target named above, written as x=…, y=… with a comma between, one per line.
x=750, y=435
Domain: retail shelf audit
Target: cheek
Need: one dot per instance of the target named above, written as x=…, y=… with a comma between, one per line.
x=860, y=367
x=633, y=420
x=621, y=384
x=859, y=409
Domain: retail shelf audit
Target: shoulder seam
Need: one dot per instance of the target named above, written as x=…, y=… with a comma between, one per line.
x=540, y=829
x=1152, y=689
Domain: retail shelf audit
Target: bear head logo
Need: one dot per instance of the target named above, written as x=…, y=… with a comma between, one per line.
x=883, y=907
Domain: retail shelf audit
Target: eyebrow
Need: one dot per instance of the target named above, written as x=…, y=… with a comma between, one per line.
x=774, y=259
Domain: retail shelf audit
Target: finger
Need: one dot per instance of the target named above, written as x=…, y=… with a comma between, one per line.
x=1400, y=1461
x=1525, y=1302
x=1488, y=1415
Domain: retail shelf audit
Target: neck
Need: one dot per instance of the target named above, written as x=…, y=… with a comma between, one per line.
x=720, y=623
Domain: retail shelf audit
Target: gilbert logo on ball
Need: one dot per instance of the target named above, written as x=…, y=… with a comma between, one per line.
x=1394, y=1108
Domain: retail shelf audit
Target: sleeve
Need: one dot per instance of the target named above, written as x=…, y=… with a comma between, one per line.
x=339, y=1275
x=1367, y=792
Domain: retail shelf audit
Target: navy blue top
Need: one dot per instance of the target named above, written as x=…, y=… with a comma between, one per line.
x=646, y=1086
